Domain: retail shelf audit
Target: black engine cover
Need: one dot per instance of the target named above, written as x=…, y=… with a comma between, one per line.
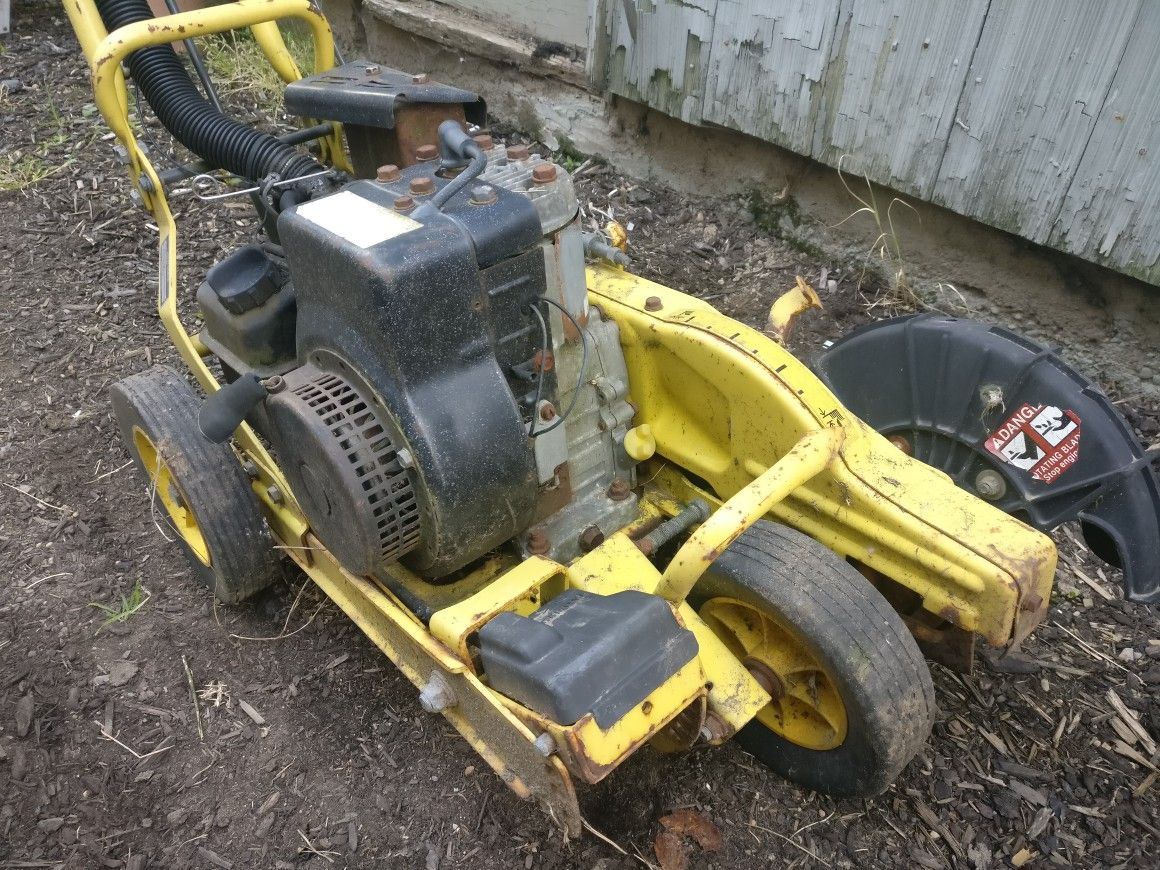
x=424, y=311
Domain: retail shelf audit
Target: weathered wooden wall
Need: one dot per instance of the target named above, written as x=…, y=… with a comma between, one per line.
x=1041, y=117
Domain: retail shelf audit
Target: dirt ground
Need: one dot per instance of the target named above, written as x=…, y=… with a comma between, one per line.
x=310, y=749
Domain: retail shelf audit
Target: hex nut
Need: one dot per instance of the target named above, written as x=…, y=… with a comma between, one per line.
x=388, y=172
x=484, y=194
x=590, y=539
x=404, y=203
x=484, y=141
x=426, y=152
x=544, y=173
x=619, y=489
x=422, y=185
x=275, y=494
x=517, y=152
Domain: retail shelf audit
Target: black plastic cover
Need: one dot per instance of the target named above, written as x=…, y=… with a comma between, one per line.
x=1063, y=450
x=586, y=653
x=411, y=304
x=366, y=94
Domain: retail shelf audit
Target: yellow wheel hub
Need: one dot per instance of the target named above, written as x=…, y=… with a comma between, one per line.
x=807, y=708
x=163, y=486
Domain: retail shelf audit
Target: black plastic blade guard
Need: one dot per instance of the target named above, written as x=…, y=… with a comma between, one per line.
x=1060, y=446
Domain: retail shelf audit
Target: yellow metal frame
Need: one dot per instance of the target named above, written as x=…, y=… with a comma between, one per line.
x=733, y=419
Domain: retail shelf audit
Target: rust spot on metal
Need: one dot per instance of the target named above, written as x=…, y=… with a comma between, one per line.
x=902, y=444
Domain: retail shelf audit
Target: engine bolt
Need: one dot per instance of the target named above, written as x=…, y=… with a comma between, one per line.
x=483, y=195
x=420, y=79
x=371, y=70
x=547, y=411
x=590, y=539
x=275, y=494
x=251, y=469
x=653, y=303
x=989, y=484
x=517, y=152
x=545, y=173
x=484, y=141
x=619, y=489
x=274, y=384
x=542, y=362
x=389, y=172
x=426, y=152
x=404, y=203
x=902, y=444
x=422, y=185
x=538, y=543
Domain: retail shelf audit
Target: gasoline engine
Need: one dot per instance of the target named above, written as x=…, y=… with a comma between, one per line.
x=419, y=349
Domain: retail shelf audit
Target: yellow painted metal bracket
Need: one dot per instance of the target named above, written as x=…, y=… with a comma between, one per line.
x=805, y=459
x=725, y=403
x=501, y=739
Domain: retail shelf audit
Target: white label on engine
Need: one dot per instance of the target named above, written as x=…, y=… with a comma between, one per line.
x=357, y=219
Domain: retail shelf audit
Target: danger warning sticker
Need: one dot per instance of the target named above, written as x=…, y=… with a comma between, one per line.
x=1041, y=439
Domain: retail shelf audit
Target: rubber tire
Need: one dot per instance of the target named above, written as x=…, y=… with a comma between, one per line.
x=215, y=488
x=847, y=625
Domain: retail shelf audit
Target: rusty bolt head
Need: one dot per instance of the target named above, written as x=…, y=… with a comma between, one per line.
x=517, y=152
x=538, y=543
x=484, y=141
x=388, y=172
x=484, y=194
x=545, y=173
x=548, y=411
x=619, y=490
x=543, y=362
x=653, y=303
x=422, y=185
x=404, y=203
x=902, y=444
x=590, y=539
x=420, y=79
x=426, y=152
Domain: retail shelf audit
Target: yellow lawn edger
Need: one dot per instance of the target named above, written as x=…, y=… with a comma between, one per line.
x=580, y=511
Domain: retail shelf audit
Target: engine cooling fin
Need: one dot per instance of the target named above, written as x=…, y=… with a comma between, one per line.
x=346, y=466
x=1007, y=419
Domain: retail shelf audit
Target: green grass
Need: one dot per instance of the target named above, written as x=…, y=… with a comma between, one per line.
x=240, y=70
x=887, y=246
x=21, y=171
x=127, y=607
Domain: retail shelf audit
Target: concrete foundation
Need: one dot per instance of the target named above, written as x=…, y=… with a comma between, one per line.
x=1106, y=324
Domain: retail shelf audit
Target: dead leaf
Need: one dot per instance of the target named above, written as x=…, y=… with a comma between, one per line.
x=670, y=851
x=687, y=823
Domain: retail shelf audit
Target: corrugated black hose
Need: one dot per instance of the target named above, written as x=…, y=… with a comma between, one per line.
x=220, y=141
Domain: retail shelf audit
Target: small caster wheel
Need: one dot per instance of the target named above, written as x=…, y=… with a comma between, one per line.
x=195, y=486
x=852, y=699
